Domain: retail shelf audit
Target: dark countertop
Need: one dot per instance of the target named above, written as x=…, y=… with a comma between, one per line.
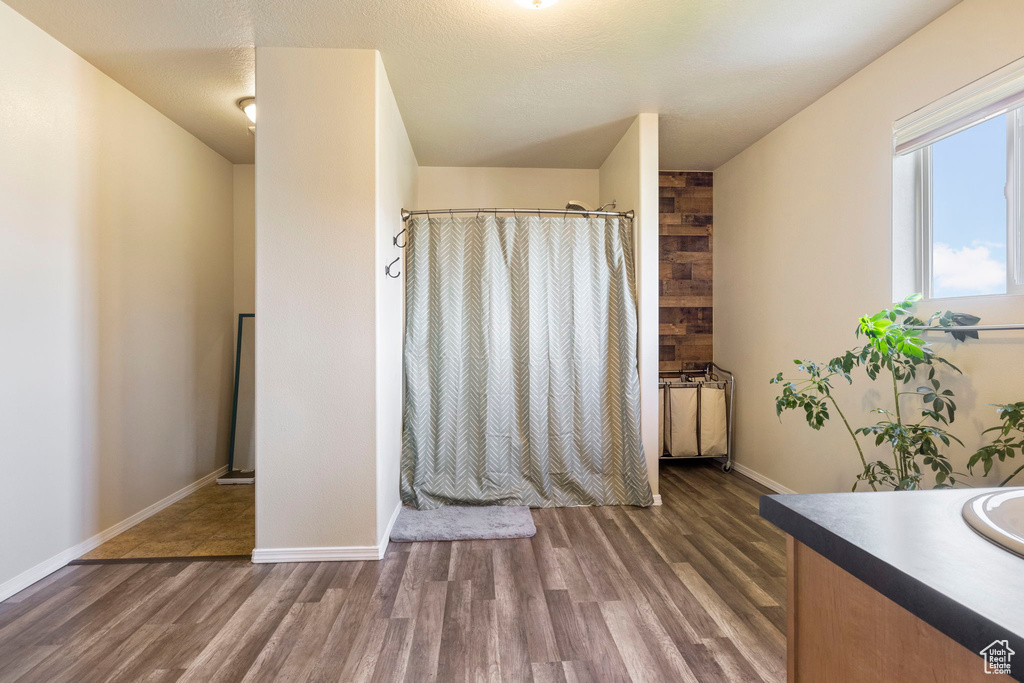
x=915, y=548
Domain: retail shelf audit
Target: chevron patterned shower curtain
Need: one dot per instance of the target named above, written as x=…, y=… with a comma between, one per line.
x=521, y=365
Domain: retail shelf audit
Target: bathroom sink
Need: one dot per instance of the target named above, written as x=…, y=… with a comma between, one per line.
x=999, y=517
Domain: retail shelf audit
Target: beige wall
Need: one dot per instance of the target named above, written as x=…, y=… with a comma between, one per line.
x=802, y=248
x=315, y=299
x=245, y=302
x=329, y=333
x=630, y=176
x=396, y=188
x=115, y=297
x=546, y=188
x=244, y=238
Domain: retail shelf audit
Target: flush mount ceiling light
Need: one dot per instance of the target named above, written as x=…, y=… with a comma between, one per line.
x=536, y=4
x=248, y=105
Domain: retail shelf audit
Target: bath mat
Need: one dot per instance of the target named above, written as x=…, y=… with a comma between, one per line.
x=460, y=523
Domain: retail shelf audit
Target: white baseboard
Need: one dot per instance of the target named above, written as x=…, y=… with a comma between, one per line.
x=382, y=545
x=761, y=479
x=44, y=569
x=347, y=553
x=657, y=499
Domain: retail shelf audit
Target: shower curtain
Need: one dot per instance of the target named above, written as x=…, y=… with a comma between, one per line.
x=521, y=363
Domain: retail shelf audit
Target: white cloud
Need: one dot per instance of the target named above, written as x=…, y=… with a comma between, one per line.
x=967, y=270
x=986, y=243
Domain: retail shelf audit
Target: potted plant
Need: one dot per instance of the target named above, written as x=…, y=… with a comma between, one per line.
x=1009, y=440
x=914, y=425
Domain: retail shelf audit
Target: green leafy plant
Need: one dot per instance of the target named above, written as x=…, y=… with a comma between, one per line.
x=1008, y=442
x=895, y=353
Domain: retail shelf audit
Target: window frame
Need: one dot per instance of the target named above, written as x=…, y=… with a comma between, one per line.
x=1013, y=192
x=1015, y=203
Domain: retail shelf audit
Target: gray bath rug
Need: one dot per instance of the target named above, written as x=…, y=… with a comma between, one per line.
x=460, y=523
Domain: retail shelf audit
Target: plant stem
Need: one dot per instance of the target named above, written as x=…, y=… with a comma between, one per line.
x=899, y=454
x=1015, y=473
x=853, y=436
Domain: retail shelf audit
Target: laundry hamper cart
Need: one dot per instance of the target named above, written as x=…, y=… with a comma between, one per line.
x=695, y=415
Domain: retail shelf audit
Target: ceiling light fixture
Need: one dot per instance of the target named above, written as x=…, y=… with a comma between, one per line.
x=536, y=4
x=248, y=105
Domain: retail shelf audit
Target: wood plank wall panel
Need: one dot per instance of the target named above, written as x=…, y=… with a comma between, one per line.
x=685, y=271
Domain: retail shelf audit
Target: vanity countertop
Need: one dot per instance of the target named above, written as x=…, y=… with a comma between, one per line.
x=915, y=548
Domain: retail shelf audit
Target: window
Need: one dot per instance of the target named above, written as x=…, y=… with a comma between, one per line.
x=958, y=181
x=969, y=219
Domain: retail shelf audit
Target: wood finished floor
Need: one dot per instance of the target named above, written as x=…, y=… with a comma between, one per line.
x=215, y=520
x=690, y=591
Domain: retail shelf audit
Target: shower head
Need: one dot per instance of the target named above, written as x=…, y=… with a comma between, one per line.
x=575, y=205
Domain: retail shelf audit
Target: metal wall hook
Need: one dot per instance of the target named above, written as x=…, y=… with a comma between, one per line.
x=387, y=269
x=395, y=239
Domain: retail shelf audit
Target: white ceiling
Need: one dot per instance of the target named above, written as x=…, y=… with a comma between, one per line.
x=490, y=83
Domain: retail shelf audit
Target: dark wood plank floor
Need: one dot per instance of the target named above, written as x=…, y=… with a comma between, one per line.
x=690, y=591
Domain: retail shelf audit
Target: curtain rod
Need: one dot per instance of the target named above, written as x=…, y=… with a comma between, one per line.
x=622, y=214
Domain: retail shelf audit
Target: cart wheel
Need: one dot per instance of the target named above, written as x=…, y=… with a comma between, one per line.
x=726, y=466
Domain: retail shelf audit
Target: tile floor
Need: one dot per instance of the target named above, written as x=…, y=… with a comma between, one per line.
x=215, y=520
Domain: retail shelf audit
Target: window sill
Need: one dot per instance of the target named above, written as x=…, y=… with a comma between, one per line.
x=1009, y=298
x=993, y=309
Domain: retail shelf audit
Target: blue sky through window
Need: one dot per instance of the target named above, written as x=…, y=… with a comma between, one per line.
x=969, y=211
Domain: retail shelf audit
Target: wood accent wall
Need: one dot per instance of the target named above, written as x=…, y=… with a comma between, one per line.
x=685, y=269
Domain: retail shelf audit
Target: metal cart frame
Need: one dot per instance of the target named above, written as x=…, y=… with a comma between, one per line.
x=697, y=376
